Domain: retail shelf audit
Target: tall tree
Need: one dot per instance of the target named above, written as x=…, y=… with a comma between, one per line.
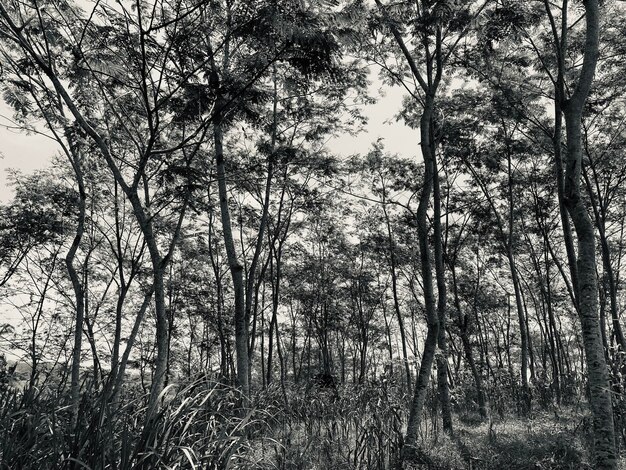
x=436, y=29
x=600, y=396
x=128, y=121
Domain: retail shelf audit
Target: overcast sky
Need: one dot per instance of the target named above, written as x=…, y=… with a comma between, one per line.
x=31, y=152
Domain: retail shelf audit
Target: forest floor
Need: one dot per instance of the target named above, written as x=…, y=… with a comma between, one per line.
x=556, y=440
x=560, y=439
x=551, y=440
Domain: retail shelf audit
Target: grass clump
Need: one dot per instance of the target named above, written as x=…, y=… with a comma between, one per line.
x=200, y=426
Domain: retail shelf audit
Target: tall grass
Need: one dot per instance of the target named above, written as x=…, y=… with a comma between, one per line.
x=356, y=426
x=286, y=427
x=199, y=427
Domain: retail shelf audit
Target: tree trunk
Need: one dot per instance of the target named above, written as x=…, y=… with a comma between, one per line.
x=430, y=344
x=600, y=398
x=517, y=288
x=396, y=301
x=434, y=69
x=162, y=329
x=236, y=269
x=610, y=283
x=467, y=349
x=79, y=293
x=251, y=279
x=443, y=386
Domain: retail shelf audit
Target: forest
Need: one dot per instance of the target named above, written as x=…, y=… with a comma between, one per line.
x=201, y=279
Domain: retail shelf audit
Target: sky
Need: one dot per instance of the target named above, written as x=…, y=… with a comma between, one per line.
x=28, y=153
x=20, y=151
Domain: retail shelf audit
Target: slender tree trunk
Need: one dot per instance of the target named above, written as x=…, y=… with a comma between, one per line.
x=598, y=376
x=396, y=301
x=434, y=69
x=123, y=288
x=236, y=269
x=219, y=299
x=442, y=358
x=610, y=283
x=79, y=293
x=121, y=369
x=517, y=288
x=565, y=222
x=467, y=348
x=162, y=330
x=273, y=321
x=250, y=281
x=553, y=336
x=430, y=344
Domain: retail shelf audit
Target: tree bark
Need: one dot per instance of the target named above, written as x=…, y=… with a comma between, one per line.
x=236, y=269
x=443, y=386
x=79, y=293
x=600, y=398
x=430, y=344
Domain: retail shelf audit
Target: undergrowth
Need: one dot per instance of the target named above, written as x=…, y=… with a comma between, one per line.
x=288, y=427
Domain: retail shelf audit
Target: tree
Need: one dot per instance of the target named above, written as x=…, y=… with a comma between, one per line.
x=151, y=135
x=600, y=397
x=438, y=25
